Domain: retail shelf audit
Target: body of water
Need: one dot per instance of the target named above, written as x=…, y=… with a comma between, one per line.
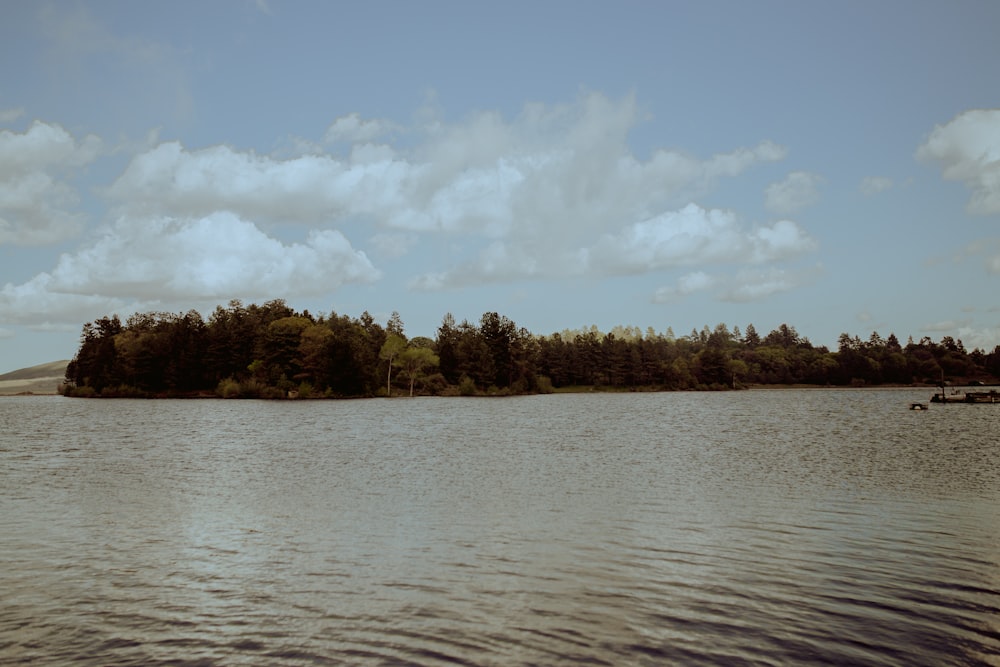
x=739, y=528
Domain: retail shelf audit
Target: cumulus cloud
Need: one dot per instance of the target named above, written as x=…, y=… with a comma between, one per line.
x=215, y=257
x=37, y=205
x=566, y=167
x=799, y=190
x=872, y=185
x=170, y=260
x=968, y=150
x=555, y=191
x=691, y=236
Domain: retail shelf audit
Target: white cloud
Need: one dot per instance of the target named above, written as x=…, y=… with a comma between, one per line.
x=799, y=190
x=498, y=262
x=6, y=333
x=968, y=150
x=692, y=236
x=561, y=169
x=553, y=192
x=43, y=146
x=353, y=129
x=216, y=257
x=555, y=177
x=36, y=207
x=36, y=302
x=758, y=284
x=687, y=284
x=732, y=164
x=982, y=338
x=169, y=180
x=872, y=185
x=138, y=263
x=744, y=286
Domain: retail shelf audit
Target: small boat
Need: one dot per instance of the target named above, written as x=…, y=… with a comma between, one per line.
x=918, y=406
x=954, y=397
x=957, y=396
x=982, y=397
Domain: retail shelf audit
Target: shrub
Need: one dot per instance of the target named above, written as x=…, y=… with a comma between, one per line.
x=123, y=391
x=252, y=388
x=272, y=393
x=228, y=388
x=466, y=386
x=434, y=384
x=544, y=384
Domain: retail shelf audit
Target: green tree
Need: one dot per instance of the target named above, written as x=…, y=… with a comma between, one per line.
x=712, y=367
x=394, y=344
x=446, y=347
x=278, y=348
x=413, y=360
x=314, y=353
x=395, y=325
x=499, y=333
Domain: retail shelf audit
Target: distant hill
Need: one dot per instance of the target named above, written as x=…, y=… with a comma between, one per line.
x=41, y=379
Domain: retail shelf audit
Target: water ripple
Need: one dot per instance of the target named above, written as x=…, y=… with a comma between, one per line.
x=753, y=528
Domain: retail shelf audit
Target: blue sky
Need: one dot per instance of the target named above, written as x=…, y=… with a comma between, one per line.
x=833, y=166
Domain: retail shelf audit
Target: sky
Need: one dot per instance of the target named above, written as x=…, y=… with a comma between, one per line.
x=568, y=163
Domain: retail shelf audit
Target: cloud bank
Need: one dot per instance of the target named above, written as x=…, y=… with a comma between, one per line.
x=554, y=192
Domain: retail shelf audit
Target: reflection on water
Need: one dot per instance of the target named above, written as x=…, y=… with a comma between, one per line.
x=816, y=527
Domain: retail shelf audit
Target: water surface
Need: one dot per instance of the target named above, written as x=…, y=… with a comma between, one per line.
x=758, y=527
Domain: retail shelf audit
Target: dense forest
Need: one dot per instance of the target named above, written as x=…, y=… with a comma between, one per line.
x=272, y=351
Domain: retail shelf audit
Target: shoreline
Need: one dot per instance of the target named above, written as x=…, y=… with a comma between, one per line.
x=28, y=391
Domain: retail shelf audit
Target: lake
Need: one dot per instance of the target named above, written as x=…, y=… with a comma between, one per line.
x=738, y=528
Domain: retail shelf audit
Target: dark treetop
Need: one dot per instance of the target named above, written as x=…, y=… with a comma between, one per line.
x=272, y=351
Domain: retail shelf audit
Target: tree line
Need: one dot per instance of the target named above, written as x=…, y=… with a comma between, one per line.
x=273, y=351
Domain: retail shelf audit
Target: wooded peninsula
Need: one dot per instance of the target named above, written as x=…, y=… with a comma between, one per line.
x=272, y=351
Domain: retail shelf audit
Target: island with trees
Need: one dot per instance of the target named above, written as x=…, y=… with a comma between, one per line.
x=273, y=351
